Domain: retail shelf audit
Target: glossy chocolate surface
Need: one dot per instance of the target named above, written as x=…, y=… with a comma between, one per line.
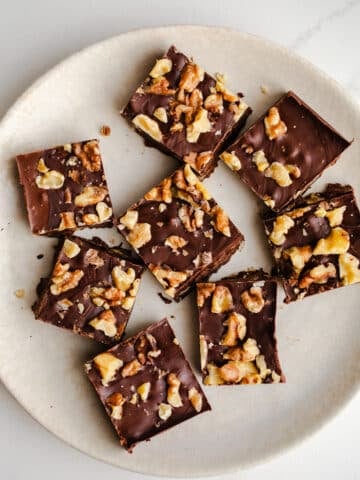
x=156, y=362
x=228, y=117
x=91, y=290
x=320, y=249
x=180, y=232
x=309, y=143
x=65, y=188
x=233, y=358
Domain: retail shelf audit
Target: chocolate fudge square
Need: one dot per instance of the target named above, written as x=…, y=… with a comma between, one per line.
x=180, y=232
x=146, y=384
x=185, y=112
x=237, y=330
x=284, y=151
x=65, y=188
x=91, y=290
x=316, y=245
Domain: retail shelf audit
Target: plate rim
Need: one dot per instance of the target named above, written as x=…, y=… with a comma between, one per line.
x=345, y=397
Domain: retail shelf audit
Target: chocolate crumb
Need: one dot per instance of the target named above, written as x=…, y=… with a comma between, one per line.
x=40, y=256
x=105, y=130
x=164, y=299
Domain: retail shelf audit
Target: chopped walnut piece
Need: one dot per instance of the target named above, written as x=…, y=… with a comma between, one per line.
x=253, y=299
x=335, y=216
x=251, y=350
x=175, y=242
x=173, y=395
x=231, y=160
x=191, y=76
x=281, y=226
x=20, y=293
x=160, y=114
x=261, y=365
x=260, y=160
x=168, y=278
x=104, y=211
x=274, y=126
x=299, y=256
x=282, y=173
x=203, y=351
x=221, y=300
x=148, y=125
x=140, y=235
x=236, y=324
x=195, y=399
x=222, y=222
x=90, y=219
x=235, y=371
x=70, y=248
x=123, y=280
x=159, y=86
x=204, y=291
x=336, y=243
x=129, y=220
x=63, y=279
x=161, y=193
x=201, y=124
x=108, y=365
x=50, y=180
x=90, y=195
x=67, y=221
x=131, y=368
x=92, y=257
x=89, y=155
x=213, y=377
x=161, y=67
x=143, y=390
x=349, y=269
x=214, y=103
x=116, y=402
x=106, y=322
x=319, y=274
x=164, y=411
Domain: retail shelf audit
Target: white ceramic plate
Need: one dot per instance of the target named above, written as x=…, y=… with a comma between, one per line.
x=318, y=337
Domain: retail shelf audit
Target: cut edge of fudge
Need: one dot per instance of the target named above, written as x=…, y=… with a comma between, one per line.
x=107, y=369
x=104, y=323
x=183, y=186
x=244, y=355
x=205, y=160
x=234, y=163
x=334, y=269
x=93, y=196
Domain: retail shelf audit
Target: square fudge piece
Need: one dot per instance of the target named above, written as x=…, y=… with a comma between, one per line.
x=180, y=232
x=91, y=290
x=185, y=112
x=65, y=188
x=316, y=245
x=284, y=151
x=146, y=384
x=237, y=330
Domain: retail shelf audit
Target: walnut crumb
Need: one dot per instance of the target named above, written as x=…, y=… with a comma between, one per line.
x=105, y=130
x=20, y=293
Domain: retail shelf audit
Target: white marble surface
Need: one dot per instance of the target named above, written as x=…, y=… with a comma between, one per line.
x=35, y=38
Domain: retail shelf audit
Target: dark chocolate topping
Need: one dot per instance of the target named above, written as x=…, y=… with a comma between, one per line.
x=309, y=143
x=81, y=167
x=158, y=353
x=310, y=225
x=260, y=326
x=74, y=307
x=173, y=142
